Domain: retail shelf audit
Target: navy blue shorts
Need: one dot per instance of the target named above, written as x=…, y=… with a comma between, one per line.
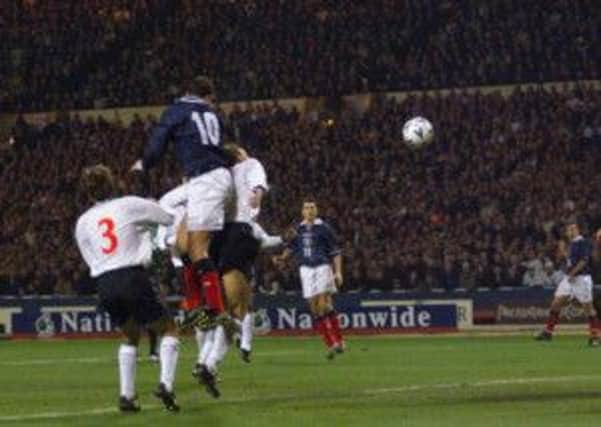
x=235, y=248
x=128, y=293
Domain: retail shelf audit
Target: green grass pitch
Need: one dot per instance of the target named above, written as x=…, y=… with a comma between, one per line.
x=381, y=381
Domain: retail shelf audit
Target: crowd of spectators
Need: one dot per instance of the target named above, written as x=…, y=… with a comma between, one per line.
x=74, y=54
x=480, y=207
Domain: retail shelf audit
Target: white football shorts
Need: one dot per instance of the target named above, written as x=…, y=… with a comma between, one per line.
x=317, y=280
x=580, y=289
x=208, y=195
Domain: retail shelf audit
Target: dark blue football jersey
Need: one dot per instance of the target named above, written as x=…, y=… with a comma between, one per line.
x=196, y=132
x=581, y=249
x=314, y=244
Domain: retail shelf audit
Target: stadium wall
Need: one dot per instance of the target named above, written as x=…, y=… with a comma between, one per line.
x=359, y=313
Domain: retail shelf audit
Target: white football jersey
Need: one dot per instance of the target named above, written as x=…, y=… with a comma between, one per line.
x=113, y=234
x=248, y=176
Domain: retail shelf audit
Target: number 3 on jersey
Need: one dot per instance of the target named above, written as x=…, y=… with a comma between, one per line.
x=208, y=127
x=107, y=228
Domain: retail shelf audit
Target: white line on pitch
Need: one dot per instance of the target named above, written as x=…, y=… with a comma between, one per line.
x=282, y=397
x=84, y=360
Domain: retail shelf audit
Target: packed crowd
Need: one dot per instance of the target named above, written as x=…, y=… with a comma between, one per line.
x=480, y=207
x=67, y=54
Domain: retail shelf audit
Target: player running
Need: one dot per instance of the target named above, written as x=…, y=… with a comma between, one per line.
x=114, y=245
x=194, y=127
x=577, y=285
x=316, y=251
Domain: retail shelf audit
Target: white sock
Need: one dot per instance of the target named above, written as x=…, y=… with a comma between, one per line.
x=218, y=350
x=246, y=333
x=201, y=337
x=169, y=353
x=207, y=346
x=127, y=370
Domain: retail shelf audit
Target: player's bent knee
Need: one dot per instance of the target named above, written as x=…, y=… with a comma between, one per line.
x=198, y=244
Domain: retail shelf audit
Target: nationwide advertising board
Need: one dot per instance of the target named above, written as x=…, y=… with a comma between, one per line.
x=285, y=314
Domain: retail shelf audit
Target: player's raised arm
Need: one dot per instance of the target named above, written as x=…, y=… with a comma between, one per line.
x=155, y=149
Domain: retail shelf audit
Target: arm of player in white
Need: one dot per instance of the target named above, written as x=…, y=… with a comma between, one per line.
x=266, y=240
x=145, y=211
x=257, y=180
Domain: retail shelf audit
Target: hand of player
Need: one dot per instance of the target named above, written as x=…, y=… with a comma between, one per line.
x=289, y=234
x=338, y=281
x=137, y=166
x=598, y=234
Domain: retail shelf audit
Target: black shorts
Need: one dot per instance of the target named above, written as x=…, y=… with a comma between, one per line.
x=235, y=248
x=128, y=292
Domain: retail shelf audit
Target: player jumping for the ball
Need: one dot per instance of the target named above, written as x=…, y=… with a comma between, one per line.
x=194, y=127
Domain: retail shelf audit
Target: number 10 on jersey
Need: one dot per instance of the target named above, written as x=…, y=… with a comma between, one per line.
x=208, y=127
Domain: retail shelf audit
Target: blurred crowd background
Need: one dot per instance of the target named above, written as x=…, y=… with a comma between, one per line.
x=79, y=54
x=481, y=207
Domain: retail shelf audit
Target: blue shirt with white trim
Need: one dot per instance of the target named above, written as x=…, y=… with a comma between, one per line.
x=315, y=244
x=196, y=132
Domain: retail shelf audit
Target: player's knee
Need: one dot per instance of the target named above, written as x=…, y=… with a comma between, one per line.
x=198, y=241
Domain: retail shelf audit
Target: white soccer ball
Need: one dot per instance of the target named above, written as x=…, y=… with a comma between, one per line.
x=418, y=132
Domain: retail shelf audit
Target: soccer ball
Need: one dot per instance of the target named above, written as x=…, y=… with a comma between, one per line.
x=418, y=132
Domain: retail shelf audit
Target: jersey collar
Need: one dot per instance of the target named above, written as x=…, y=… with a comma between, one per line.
x=318, y=221
x=191, y=99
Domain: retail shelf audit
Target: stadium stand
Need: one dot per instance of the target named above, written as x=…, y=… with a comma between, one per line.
x=477, y=209
x=90, y=54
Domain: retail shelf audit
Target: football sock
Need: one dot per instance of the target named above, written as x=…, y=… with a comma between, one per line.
x=169, y=354
x=218, y=350
x=337, y=334
x=593, y=326
x=207, y=345
x=552, y=321
x=322, y=324
x=200, y=339
x=191, y=289
x=208, y=279
x=246, y=332
x=127, y=370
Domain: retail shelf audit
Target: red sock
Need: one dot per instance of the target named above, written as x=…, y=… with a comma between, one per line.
x=320, y=325
x=552, y=321
x=333, y=316
x=192, y=292
x=208, y=279
x=593, y=326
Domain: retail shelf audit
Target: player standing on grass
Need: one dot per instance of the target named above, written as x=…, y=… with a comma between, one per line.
x=577, y=285
x=315, y=249
x=196, y=131
x=114, y=244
